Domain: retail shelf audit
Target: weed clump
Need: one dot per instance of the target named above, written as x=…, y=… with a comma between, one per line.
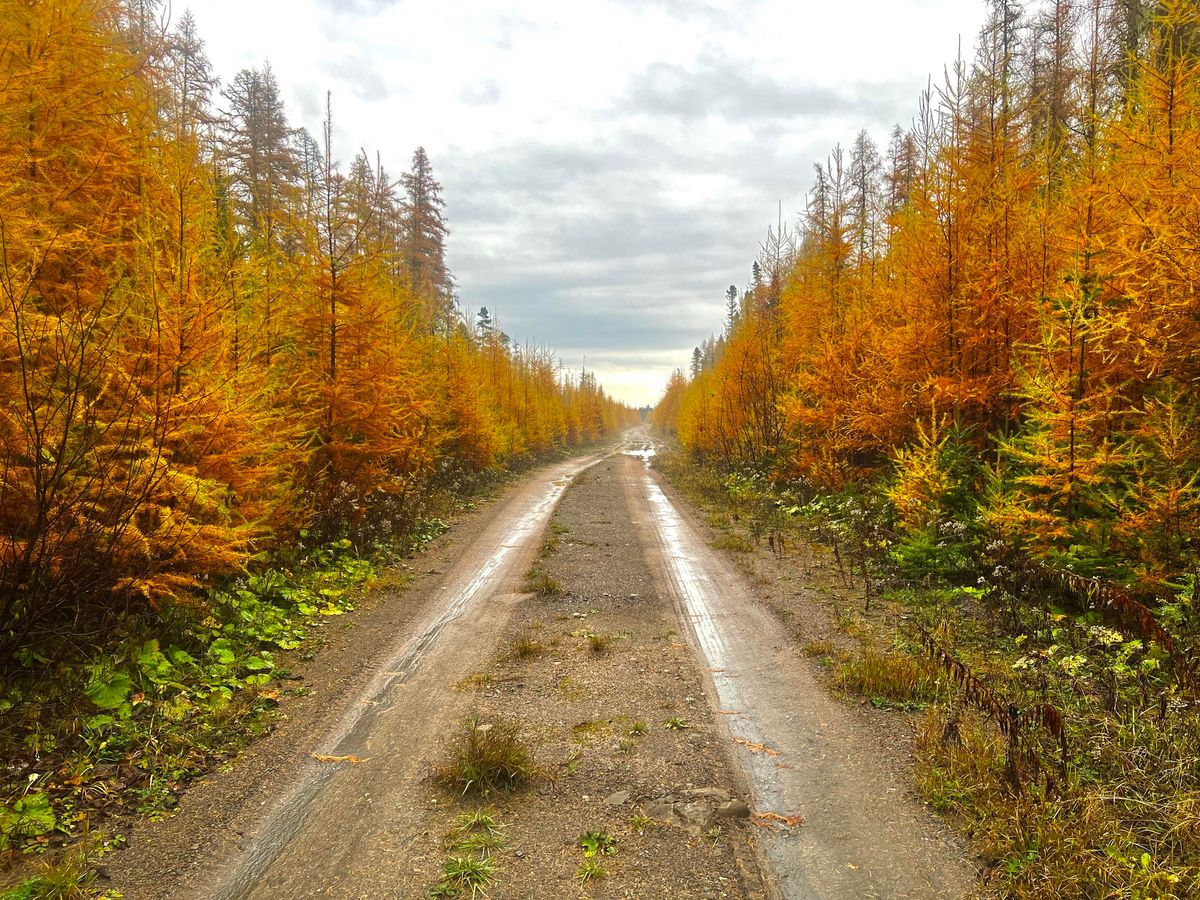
x=735, y=543
x=465, y=876
x=473, y=842
x=820, y=648
x=599, y=643
x=886, y=675
x=590, y=870
x=539, y=581
x=487, y=757
x=524, y=646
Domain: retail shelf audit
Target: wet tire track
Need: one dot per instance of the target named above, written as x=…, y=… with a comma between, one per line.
x=865, y=836
x=316, y=838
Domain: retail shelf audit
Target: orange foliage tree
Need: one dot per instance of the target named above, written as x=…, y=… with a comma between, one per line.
x=1023, y=261
x=211, y=337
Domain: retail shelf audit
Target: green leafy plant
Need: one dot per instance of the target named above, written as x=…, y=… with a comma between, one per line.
x=590, y=870
x=30, y=816
x=597, y=843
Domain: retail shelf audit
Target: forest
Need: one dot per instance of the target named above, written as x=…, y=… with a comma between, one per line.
x=214, y=336
x=976, y=360
x=233, y=372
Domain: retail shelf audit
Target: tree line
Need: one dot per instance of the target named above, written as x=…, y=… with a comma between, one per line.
x=995, y=319
x=215, y=337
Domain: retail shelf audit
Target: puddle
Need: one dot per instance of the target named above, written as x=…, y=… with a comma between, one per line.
x=694, y=586
x=644, y=452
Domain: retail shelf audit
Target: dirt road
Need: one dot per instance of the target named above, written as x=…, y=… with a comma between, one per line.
x=768, y=733
x=798, y=749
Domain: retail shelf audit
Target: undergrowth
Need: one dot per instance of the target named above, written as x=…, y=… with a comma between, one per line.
x=121, y=730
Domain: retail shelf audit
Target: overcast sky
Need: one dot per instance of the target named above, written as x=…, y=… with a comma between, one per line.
x=609, y=166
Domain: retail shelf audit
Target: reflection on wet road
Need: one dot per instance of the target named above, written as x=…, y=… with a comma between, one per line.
x=798, y=750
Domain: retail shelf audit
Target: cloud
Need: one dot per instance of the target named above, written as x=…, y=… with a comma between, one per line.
x=735, y=91
x=627, y=240
x=481, y=93
x=354, y=8
x=361, y=75
x=721, y=16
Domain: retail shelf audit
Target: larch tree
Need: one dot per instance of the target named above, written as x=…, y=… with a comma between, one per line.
x=425, y=234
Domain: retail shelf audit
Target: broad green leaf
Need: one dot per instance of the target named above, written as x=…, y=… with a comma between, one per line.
x=110, y=691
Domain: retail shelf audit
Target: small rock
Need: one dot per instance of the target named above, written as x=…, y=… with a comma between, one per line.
x=663, y=810
x=697, y=813
x=618, y=798
x=734, y=809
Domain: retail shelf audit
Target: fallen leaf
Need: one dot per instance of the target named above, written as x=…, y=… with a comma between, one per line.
x=769, y=819
x=756, y=748
x=321, y=757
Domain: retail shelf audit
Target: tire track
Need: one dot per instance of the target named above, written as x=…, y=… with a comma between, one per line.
x=864, y=835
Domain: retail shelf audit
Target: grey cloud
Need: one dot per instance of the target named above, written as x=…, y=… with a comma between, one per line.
x=361, y=75
x=597, y=244
x=733, y=90
x=578, y=247
x=626, y=169
x=311, y=102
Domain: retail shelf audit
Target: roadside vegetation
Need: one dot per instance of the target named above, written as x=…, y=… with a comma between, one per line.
x=1057, y=728
x=971, y=373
